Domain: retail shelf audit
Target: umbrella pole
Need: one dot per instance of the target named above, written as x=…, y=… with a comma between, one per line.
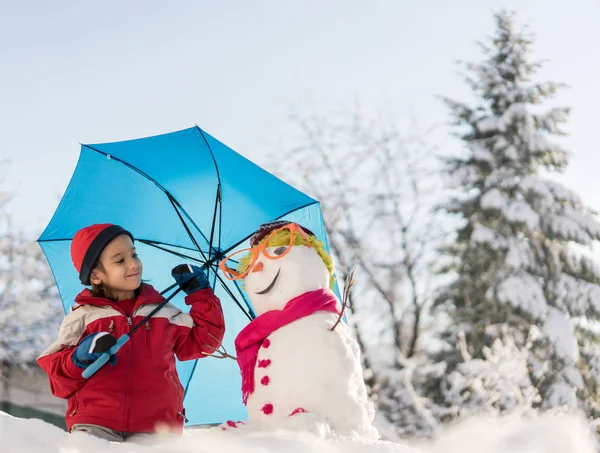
x=105, y=357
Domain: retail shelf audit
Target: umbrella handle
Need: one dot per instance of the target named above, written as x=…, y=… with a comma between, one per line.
x=105, y=357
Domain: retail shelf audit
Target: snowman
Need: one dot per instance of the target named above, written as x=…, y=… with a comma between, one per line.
x=300, y=365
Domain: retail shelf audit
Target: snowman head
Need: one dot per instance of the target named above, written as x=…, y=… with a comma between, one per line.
x=285, y=260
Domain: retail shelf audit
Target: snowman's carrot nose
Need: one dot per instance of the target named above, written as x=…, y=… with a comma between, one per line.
x=257, y=267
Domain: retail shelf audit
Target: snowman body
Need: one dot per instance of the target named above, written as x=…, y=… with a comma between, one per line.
x=308, y=368
x=304, y=368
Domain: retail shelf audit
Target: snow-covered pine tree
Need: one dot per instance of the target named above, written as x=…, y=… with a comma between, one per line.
x=522, y=258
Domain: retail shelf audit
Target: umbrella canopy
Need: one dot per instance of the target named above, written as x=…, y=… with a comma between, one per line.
x=186, y=197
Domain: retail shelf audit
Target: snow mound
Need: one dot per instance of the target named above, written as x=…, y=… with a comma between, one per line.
x=35, y=436
x=544, y=434
x=549, y=434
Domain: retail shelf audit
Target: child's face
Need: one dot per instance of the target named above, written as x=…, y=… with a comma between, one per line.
x=121, y=269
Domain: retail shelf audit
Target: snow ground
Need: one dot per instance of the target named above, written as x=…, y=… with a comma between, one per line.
x=550, y=434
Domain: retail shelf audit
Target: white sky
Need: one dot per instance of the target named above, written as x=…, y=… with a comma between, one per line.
x=96, y=71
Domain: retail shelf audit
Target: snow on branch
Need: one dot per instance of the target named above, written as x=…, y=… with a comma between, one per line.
x=559, y=331
x=513, y=210
x=523, y=291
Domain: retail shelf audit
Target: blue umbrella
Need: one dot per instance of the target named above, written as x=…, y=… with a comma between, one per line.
x=186, y=197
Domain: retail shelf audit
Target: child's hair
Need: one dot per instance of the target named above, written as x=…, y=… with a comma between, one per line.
x=99, y=290
x=283, y=238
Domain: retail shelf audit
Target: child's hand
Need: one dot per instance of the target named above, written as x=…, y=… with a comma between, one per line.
x=189, y=277
x=92, y=347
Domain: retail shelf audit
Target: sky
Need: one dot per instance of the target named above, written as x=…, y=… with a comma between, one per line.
x=88, y=72
x=554, y=434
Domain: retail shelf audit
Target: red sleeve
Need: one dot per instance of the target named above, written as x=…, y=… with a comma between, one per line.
x=65, y=378
x=206, y=334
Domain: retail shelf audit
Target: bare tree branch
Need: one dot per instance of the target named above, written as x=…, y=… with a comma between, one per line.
x=375, y=186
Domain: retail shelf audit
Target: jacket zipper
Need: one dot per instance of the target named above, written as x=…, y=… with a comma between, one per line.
x=182, y=415
x=175, y=382
x=129, y=371
x=146, y=339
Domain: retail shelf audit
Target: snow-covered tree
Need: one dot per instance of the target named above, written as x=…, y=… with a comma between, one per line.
x=522, y=257
x=423, y=395
x=30, y=309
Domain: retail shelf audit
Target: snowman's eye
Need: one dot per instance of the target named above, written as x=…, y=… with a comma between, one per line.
x=280, y=250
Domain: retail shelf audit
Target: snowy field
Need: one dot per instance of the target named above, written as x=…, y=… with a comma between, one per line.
x=559, y=434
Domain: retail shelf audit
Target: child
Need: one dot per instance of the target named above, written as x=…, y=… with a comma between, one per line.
x=140, y=393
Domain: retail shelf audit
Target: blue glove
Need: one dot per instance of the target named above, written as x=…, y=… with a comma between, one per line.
x=190, y=278
x=92, y=347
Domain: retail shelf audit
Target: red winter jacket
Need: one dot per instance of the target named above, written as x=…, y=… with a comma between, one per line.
x=142, y=391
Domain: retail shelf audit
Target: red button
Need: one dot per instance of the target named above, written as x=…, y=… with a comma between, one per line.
x=267, y=409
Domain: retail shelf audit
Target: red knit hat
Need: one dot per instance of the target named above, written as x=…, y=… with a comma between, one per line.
x=87, y=246
x=266, y=228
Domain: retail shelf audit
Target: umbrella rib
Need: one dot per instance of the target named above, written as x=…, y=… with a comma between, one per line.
x=128, y=165
x=157, y=185
x=53, y=240
x=212, y=228
x=250, y=310
x=250, y=235
x=172, y=252
x=211, y=153
x=176, y=204
x=249, y=316
x=209, y=261
x=145, y=241
x=218, y=199
x=226, y=288
x=187, y=384
x=151, y=242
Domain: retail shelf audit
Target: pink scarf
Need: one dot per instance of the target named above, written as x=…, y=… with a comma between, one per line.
x=251, y=338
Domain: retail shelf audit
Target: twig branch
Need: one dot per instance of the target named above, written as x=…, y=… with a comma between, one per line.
x=222, y=352
x=345, y=296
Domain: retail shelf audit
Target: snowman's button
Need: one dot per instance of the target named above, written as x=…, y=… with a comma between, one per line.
x=267, y=409
x=265, y=380
x=266, y=343
x=264, y=363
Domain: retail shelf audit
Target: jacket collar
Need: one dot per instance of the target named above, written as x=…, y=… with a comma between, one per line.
x=148, y=295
